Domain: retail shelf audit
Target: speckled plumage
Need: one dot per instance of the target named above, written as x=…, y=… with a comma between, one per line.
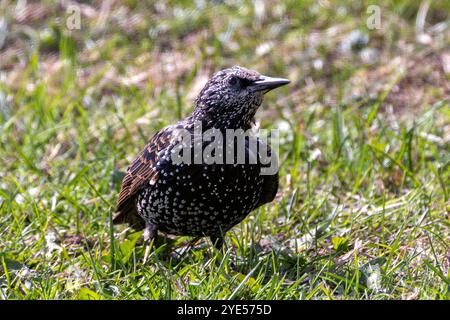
x=200, y=199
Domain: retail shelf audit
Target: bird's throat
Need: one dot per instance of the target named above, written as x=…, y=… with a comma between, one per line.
x=225, y=118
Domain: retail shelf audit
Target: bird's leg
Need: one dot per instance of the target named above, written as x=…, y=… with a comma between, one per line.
x=217, y=241
x=149, y=235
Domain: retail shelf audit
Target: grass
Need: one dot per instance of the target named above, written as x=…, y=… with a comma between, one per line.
x=363, y=207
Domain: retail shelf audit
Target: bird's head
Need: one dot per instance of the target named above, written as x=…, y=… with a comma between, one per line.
x=231, y=96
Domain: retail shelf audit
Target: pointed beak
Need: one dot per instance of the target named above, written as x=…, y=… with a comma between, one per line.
x=267, y=83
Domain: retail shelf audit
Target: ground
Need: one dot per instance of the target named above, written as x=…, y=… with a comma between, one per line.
x=362, y=211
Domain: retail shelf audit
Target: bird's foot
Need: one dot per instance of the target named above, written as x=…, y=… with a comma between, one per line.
x=182, y=251
x=150, y=232
x=217, y=241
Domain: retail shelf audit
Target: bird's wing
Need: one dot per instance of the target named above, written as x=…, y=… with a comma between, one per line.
x=270, y=182
x=269, y=190
x=143, y=170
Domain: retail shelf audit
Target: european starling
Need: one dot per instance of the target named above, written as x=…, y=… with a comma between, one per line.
x=200, y=198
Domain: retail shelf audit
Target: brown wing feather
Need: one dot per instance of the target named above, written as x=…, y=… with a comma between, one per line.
x=142, y=170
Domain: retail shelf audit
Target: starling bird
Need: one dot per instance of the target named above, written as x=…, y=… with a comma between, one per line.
x=198, y=198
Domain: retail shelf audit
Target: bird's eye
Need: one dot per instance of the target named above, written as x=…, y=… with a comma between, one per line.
x=233, y=81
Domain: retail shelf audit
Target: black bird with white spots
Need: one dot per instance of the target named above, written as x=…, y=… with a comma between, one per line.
x=201, y=199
